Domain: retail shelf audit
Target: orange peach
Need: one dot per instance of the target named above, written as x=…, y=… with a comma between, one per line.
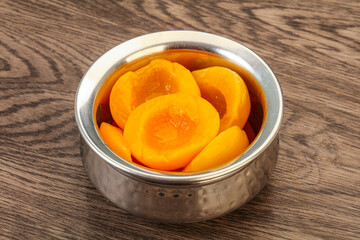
x=159, y=77
x=166, y=132
x=227, y=92
x=221, y=150
x=113, y=137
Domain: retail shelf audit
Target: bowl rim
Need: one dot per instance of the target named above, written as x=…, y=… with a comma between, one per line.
x=151, y=43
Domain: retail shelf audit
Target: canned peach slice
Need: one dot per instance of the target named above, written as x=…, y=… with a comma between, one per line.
x=159, y=77
x=221, y=150
x=166, y=132
x=113, y=137
x=227, y=92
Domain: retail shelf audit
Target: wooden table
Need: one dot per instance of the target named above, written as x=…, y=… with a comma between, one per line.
x=313, y=48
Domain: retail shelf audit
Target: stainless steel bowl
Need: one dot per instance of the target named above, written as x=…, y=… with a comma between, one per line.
x=172, y=197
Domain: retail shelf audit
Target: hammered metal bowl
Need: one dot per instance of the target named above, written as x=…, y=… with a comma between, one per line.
x=175, y=197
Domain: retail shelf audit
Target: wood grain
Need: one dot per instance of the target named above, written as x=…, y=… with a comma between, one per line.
x=313, y=48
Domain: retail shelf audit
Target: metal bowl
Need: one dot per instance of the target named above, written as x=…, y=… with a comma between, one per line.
x=175, y=197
